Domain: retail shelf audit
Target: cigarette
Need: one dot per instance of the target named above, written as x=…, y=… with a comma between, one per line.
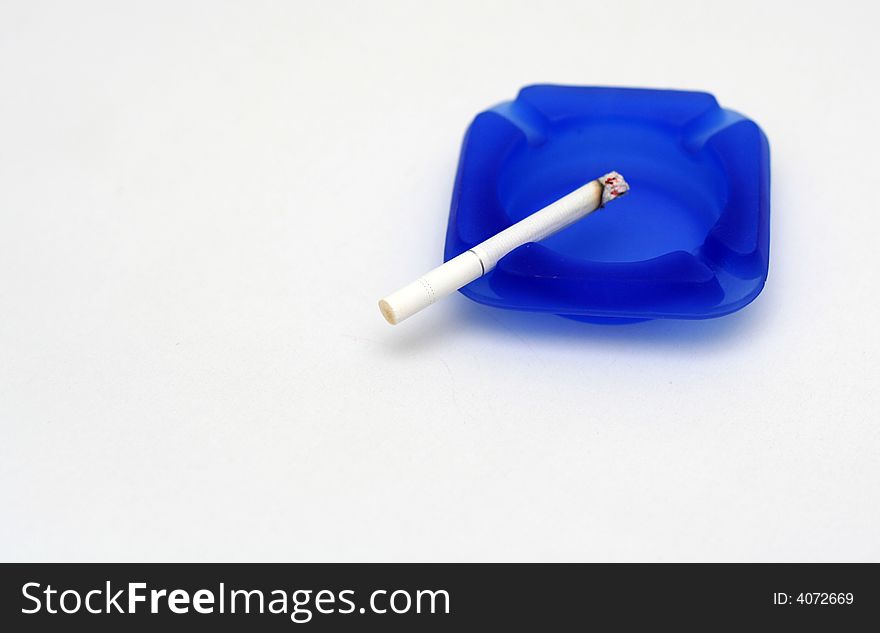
x=476, y=262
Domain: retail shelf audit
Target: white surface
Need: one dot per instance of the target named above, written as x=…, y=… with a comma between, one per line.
x=197, y=202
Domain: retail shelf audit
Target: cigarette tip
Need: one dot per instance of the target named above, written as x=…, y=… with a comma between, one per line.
x=613, y=186
x=388, y=312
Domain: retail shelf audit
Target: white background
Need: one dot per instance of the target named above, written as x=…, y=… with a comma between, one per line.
x=200, y=204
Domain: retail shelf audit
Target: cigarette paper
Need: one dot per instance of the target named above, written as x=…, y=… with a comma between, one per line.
x=476, y=262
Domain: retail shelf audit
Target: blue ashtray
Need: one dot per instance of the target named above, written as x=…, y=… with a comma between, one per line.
x=690, y=241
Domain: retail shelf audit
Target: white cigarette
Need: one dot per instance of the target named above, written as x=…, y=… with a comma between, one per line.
x=476, y=262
